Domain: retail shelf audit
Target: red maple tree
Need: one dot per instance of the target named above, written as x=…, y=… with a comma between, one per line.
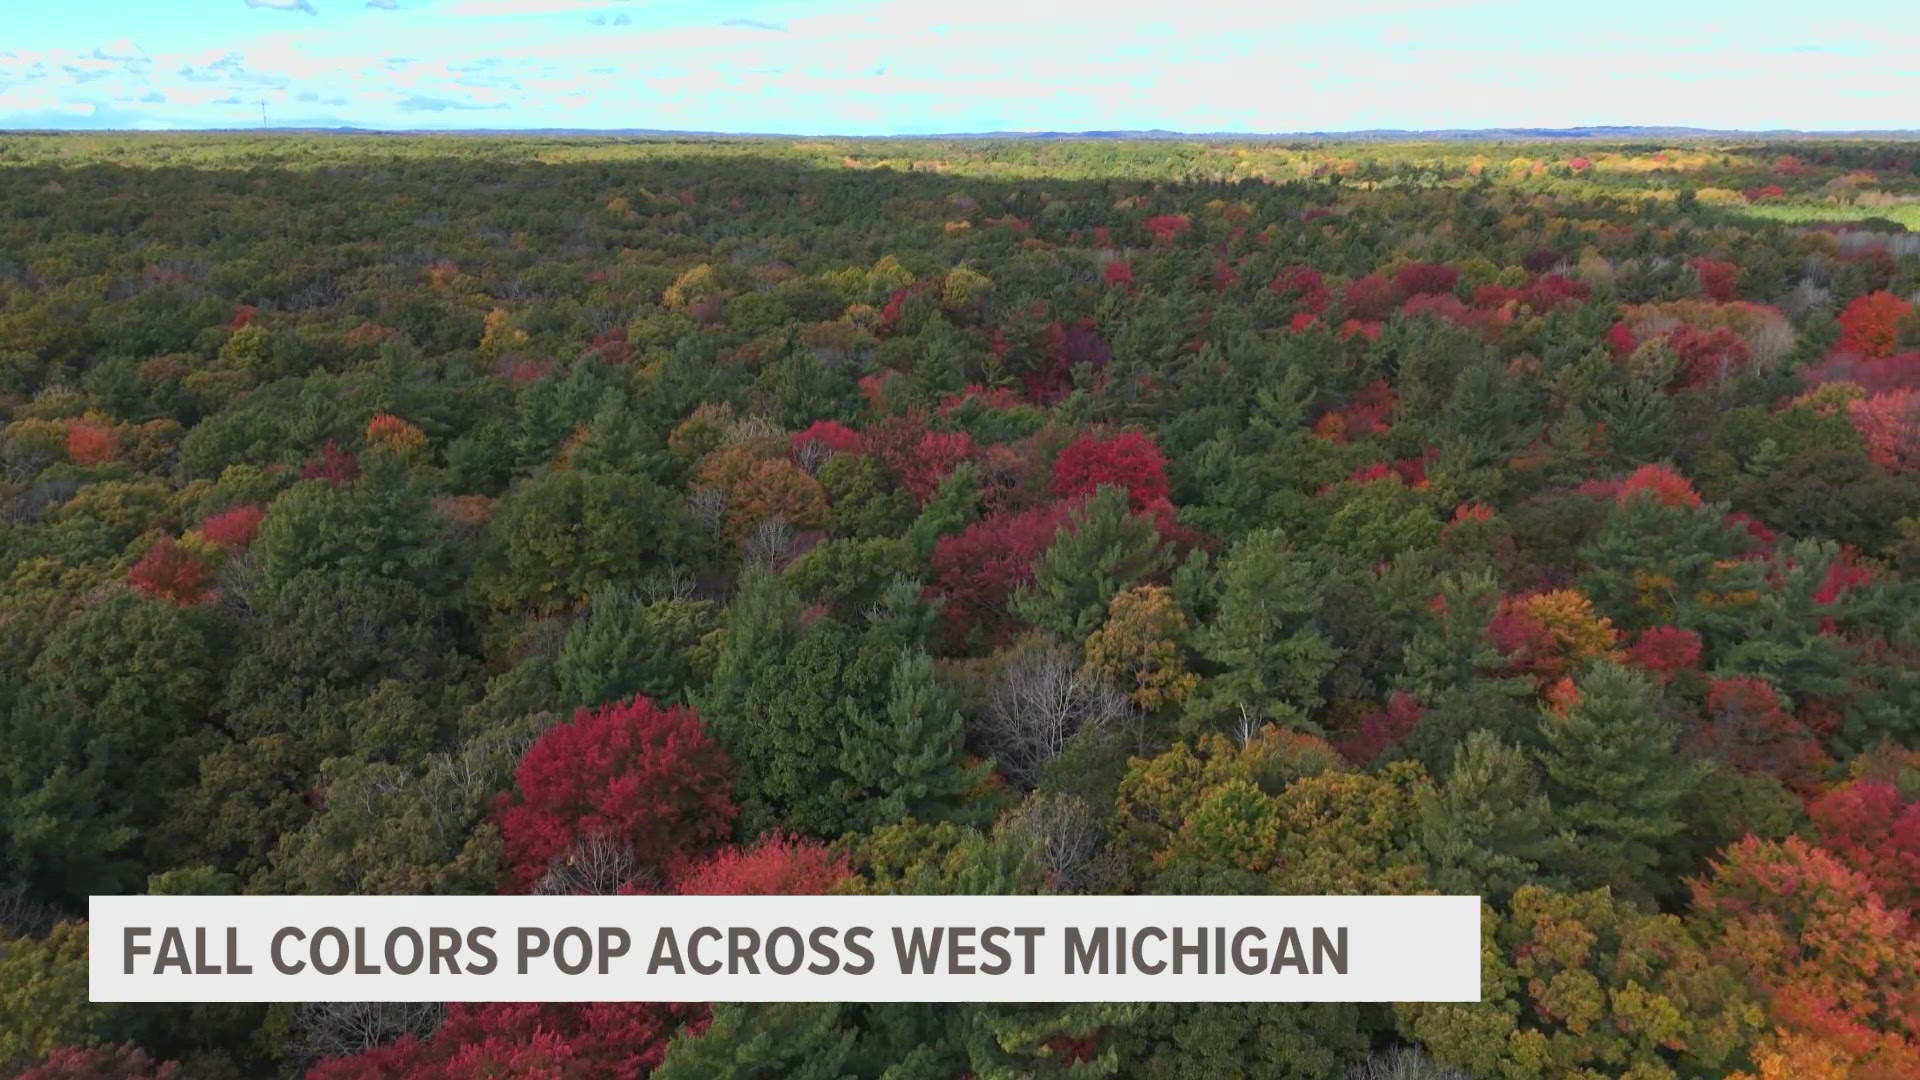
x=648, y=777
x=172, y=573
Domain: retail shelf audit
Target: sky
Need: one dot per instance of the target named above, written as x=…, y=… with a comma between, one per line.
x=907, y=67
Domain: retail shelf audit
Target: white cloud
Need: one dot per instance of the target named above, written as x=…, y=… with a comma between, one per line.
x=527, y=7
x=283, y=5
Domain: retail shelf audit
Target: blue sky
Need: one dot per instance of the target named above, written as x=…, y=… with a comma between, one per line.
x=912, y=67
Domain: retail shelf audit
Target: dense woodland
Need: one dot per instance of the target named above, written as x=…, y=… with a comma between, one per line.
x=465, y=515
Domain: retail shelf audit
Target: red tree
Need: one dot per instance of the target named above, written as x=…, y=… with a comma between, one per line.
x=1667, y=487
x=778, y=866
x=647, y=777
x=172, y=573
x=1708, y=356
x=1167, y=226
x=1746, y=728
x=1665, y=650
x=1382, y=728
x=90, y=443
x=833, y=435
x=1890, y=423
x=1552, y=290
x=235, y=528
x=1425, y=279
x=978, y=569
x=921, y=458
x=1129, y=460
x=1869, y=326
x=1371, y=298
x=122, y=1062
x=1718, y=279
x=334, y=465
x=1872, y=829
x=620, y=1040
x=1304, y=284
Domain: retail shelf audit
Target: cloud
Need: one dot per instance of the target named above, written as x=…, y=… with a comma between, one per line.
x=384, y=5
x=283, y=5
x=755, y=24
x=423, y=103
x=123, y=50
x=526, y=7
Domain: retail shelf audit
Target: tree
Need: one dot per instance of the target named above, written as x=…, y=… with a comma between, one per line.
x=390, y=829
x=626, y=646
x=1819, y=947
x=978, y=570
x=1868, y=825
x=344, y=661
x=615, y=1039
x=1890, y=424
x=43, y=986
x=1264, y=653
x=1139, y=647
x=562, y=536
x=1551, y=635
x=170, y=572
x=647, y=777
x=776, y=866
x=757, y=489
x=1040, y=698
x=1129, y=460
x=1869, y=326
x=1101, y=550
x=834, y=728
x=383, y=526
x=122, y=1061
x=234, y=528
x=91, y=443
x=1488, y=828
x=1613, y=779
x=1583, y=984
x=108, y=727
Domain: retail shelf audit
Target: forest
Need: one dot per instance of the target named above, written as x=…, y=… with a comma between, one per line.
x=456, y=515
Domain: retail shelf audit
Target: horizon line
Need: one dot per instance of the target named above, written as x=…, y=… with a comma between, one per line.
x=1570, y=133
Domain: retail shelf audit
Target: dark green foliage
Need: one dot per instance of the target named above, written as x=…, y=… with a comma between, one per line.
x=835, y=729
x=562, y=536
x=626, y=646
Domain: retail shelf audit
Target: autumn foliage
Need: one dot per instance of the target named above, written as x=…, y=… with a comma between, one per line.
x=619, y=1040
x=1550, y=635
x=632, y=772
x=171, y=572
x=776, y=866
x=91, y=443
x=1663, y=485
x=978, y=569
x=1129, y=460
x=234, y=528
x=1869, y=326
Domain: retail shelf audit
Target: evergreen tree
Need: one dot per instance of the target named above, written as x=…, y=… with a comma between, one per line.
x=1614, y=779
x=1266, y=654
x=1485, y=830
x=1102, y=550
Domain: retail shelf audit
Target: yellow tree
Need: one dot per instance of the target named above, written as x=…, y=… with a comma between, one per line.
x=1139, y=647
